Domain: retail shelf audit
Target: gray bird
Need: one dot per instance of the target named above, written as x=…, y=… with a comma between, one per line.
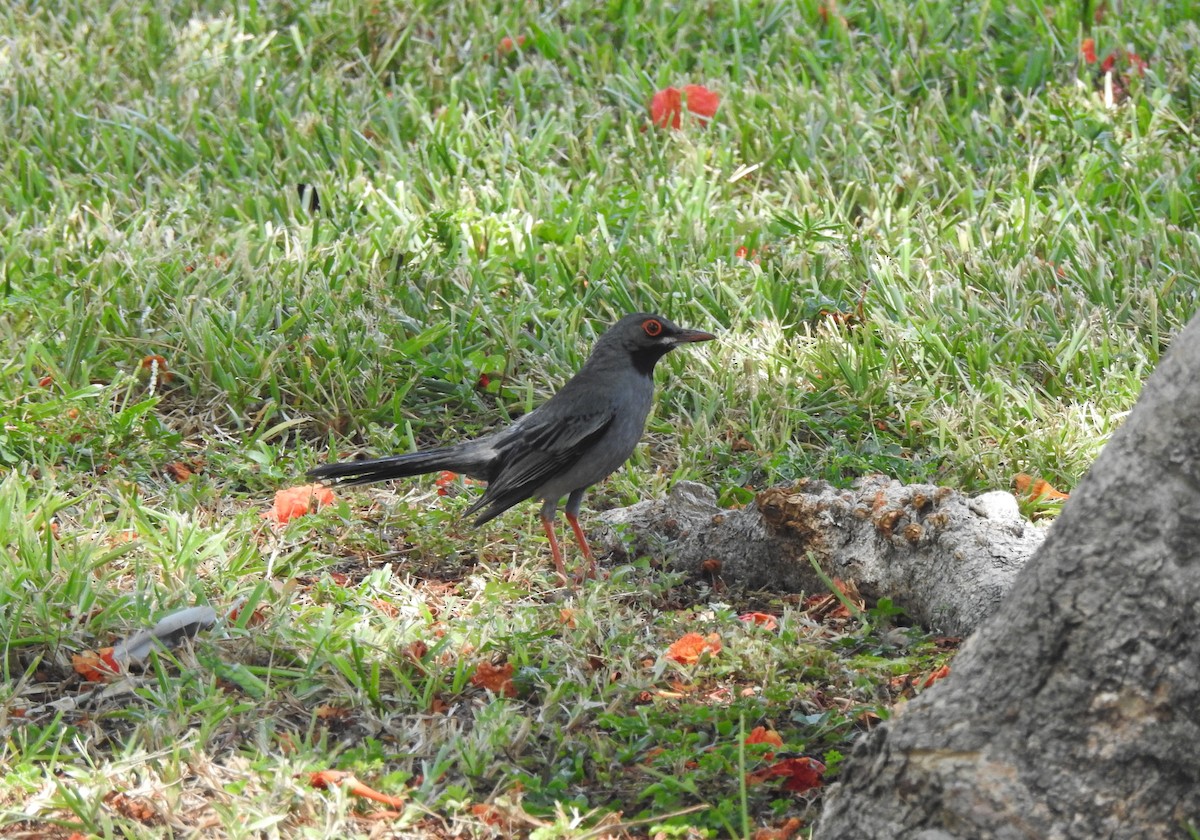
x=563, y=447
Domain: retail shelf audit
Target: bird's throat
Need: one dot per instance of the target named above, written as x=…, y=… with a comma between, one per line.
x=645, y=358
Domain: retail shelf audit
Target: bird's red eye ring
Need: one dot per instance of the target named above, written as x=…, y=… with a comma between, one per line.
x=652, y=327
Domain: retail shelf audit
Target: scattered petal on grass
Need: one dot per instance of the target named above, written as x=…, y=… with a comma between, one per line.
x=497, y=818
x=96, y=665
x=799, y=774
x=688, y=649
x=936, y=675
x=135, y=808
x=443, y=481
x=1088, y=50
x=328, y=712
x=784, y=832
x=719, y=696
x=157, y=366
x=178, y=471
x=446, y=479
x=1135, y=61
x=507, y=44
x=754, y=255
x=324, y=779
x=764, y=620
x=298, y=501
x=386, y=607
x=495, y=678
x=666, y=106
x=1138, y=63
x=762, y=735
x=256, y=618
x=1027, y=485
x=829, y=12
x=701, y=101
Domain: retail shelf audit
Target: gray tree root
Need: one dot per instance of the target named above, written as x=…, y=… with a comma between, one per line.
x=946, y=559
x=1074, y=711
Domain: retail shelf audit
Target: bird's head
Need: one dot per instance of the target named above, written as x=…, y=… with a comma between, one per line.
x=646, y=338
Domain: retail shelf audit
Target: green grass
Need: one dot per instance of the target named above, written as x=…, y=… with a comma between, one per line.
x=965, y=264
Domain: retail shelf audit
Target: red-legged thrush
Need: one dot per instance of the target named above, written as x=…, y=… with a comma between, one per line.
x=583, y=433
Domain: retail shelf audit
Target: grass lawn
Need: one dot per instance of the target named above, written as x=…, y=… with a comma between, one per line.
x=936, y=241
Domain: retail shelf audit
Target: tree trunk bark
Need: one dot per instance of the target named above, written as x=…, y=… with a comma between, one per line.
x=1074, y=711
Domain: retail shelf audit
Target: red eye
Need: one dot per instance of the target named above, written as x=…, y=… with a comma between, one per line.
x=652, y=327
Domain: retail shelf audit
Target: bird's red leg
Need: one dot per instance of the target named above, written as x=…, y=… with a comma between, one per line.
x=555, y=551
x=589, y=570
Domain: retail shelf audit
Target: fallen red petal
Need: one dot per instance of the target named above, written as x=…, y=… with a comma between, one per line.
x=1088, y=50
x=800, y=774
x=495, y=678
x=936, y=675
x=96, y=665
x=691, y=646
x=763, y=620
x=297, y=501
x=762, y=735
x=666, y=108
x=508, y=44
x=701, y=101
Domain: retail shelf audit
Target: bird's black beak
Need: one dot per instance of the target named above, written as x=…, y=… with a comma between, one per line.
x=689, y=336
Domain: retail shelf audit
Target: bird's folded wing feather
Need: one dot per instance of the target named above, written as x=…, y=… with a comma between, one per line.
x=541, y=451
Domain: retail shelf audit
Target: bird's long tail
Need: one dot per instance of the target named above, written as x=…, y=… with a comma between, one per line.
x=458, y=459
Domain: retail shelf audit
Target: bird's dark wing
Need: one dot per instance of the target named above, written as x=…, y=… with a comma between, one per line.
x=539, y=452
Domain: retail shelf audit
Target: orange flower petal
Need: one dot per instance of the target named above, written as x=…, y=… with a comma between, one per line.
x=936, y=675
x=178, y=471
x=1088, y=50
x=688, y=649
x=96, y=665
x=495, y=678
x=701, y=101
x=666, y=108
x=801, y=774
x=762, y=735
x=508, y=44
x=297, y=501
x=1036, y=488
x=761, y=619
